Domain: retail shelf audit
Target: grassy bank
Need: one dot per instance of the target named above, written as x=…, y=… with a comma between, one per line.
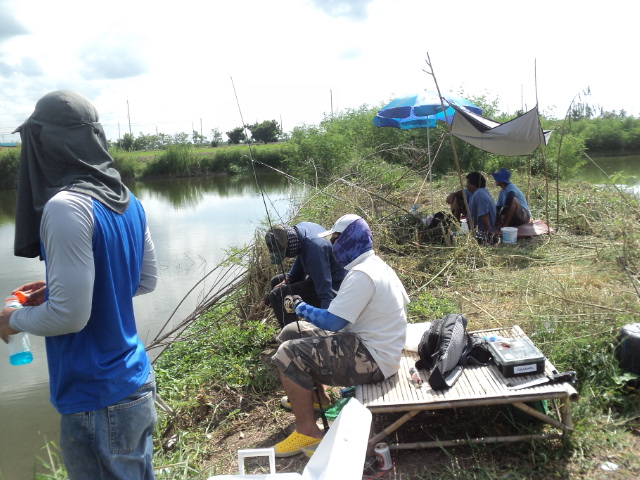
x=175, y=161
x=569, y=292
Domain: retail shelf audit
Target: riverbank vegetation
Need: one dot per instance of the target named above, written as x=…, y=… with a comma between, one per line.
x=570, y=292
x=320, y=151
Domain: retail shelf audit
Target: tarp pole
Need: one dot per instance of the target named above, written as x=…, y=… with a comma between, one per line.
x=544, y=158
x=430, y=166
x=453, y=146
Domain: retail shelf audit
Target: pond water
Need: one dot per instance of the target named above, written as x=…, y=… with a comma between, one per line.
x=623, y=170
x=193, y=222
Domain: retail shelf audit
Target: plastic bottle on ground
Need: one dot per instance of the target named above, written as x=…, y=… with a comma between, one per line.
x=415, y=376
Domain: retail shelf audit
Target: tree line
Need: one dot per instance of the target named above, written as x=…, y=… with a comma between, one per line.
x=268, y=131
x=338, y=143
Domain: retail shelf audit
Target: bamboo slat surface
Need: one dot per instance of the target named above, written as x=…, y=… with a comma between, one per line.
x=478, y=385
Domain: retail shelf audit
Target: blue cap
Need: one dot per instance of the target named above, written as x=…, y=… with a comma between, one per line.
x=503, y=175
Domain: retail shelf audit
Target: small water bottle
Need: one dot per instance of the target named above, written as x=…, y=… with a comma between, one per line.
x=415, y=376
x=19, y=344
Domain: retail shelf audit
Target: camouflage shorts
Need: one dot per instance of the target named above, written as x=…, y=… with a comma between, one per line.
x=315, y=355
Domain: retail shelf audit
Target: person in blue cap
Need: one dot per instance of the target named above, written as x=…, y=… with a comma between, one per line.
x=511, y=207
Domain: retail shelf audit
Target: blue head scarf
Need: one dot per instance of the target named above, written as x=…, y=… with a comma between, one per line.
x=355, y=240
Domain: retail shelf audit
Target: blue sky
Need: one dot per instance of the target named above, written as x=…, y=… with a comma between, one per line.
x=168, y=67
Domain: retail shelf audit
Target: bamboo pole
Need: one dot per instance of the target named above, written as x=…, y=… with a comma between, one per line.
x=453, y=146
x=542, y=151
x=541, y=416
x=467, y=441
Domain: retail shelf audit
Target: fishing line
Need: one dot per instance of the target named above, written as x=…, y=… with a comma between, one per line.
x=325, y=423
x=262, y=194
x=620, y=259
x=610, y=183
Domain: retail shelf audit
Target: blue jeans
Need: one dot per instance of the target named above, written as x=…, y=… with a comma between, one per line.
x=113, y=443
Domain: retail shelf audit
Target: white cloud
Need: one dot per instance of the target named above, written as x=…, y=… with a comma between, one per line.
x=9, y=25
x=112, y=57
x=169, y=67
x=351, y=9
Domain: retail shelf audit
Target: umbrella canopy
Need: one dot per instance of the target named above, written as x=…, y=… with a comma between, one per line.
x=421, y=110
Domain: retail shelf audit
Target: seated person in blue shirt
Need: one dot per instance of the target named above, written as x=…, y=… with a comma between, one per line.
x=481, y=205
x=315, y=274
x=512, y=208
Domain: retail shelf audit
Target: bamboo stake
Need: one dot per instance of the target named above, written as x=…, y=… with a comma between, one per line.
x=542, y=151
x=473, y=441
x=453, y=146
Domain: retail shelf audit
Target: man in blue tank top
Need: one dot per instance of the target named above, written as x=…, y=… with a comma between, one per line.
x=74, y=212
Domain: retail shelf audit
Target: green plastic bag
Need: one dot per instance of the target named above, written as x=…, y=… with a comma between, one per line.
x=334, y=411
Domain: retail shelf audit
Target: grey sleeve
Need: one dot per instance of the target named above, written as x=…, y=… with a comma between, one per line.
x=149, y=272
x=66, y=231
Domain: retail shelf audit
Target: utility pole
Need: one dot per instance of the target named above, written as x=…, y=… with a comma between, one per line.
x=331, y=95
x=129, y=116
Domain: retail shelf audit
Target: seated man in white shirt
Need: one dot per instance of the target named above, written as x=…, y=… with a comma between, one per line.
x=357, y=340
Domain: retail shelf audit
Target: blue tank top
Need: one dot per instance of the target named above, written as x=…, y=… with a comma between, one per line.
x=105, y=361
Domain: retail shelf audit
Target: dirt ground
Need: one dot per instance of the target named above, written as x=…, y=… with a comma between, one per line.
x=263, y=424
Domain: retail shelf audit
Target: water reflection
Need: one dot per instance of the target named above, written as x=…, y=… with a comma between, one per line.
x=181, y=192
x=193, y=222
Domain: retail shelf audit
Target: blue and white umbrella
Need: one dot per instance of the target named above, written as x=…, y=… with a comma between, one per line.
x=421, y=110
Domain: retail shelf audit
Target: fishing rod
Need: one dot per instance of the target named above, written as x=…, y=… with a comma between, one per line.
x=620, y=259
x=325, y=423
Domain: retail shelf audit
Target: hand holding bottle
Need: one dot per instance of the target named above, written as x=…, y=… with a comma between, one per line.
x=5, y=328
x=19, y=344
x=33, y=293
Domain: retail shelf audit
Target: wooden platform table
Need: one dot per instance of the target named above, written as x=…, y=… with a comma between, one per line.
x=477, y=386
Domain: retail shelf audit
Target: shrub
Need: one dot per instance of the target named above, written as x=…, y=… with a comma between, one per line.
x=128, y=166
x=9, y=163
x=178, y=160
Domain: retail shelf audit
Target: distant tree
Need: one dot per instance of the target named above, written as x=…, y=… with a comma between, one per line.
x=181, y=139
x=126, y=142
x=216, y=137
x=163, y=141
x=145, y=142
x=581, y=110
x=236, y=135
x=265, y=132
x=198, y=139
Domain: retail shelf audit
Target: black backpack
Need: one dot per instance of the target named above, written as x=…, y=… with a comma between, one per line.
x=446, y=347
